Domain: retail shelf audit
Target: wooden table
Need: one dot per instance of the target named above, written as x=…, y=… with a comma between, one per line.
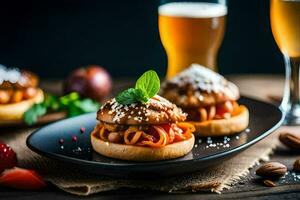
x=258, y=86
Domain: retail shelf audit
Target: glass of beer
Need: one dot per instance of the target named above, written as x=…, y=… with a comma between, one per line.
x=285, y=24
x=191, y=32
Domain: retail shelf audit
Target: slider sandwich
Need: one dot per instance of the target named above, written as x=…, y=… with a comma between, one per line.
x=18, y=92
x=139, y=125
x=209, y=99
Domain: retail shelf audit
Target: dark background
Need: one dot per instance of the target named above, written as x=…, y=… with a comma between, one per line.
x=53, y=37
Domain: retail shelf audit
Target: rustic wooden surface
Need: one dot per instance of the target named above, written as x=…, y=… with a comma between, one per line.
x=258, y=86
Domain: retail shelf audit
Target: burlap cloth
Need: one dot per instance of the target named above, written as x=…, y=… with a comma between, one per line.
x=213, y=179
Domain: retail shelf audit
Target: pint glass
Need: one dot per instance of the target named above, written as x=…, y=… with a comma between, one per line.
x=191, y=32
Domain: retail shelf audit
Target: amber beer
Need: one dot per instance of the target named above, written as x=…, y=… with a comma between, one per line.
x=285, y=23
x=191, y=32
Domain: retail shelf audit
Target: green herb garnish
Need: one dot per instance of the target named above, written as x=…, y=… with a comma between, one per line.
x=72, y=103
x=31, y=115
x=146, y=87
x=127, y=96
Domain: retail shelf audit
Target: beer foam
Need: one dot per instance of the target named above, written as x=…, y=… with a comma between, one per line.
x=193, y=9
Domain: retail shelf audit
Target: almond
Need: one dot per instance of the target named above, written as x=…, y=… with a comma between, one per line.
x=291, y=140
x=272, y=170
x=297, y=165
x=269, y=183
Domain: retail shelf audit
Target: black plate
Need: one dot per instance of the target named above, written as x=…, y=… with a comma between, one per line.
x=264, y=119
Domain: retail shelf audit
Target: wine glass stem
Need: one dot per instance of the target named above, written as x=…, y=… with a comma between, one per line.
x=291, y=99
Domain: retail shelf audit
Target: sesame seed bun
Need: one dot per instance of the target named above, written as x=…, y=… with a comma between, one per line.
x=27, y=79
x=223, y=127
x=138, y=153
x=195, y=99
x=15, y=111
x=157, y=110
x=197, y=87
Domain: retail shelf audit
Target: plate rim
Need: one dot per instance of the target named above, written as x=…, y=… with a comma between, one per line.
x=216, y=155
x=54, y=117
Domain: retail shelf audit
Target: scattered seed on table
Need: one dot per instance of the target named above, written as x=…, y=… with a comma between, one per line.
x=61, y=141
x=74, y=138
x=82, y=129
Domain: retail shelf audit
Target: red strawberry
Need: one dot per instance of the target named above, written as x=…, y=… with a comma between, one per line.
x=22, y=179
x=8, y=158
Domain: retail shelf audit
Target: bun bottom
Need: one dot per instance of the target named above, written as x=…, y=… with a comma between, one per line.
x=223, y=127
x=139, y=153
x=15, y=111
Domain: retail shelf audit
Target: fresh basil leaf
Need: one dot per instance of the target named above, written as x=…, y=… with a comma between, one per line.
x=73, y=111
x=52, y=102
x=127, y=97
x=31, y=115
x=86, y=105
x=70, y=103
x=148, y=82
x=141, y=95
x=65, y=100
x=145, y=87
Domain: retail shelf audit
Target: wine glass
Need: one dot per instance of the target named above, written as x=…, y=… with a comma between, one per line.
x=285, y=24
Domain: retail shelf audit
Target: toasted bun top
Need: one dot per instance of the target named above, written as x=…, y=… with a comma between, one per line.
x=13, y=78
x=157, y=110
x=199, y=86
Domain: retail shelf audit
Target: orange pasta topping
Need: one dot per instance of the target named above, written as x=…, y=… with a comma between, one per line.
x=151, y=136
x=219, y=111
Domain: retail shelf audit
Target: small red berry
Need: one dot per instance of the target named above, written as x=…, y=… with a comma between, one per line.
x=82, y=129
x=74, y=138
x=61, y=141
x=8, y=158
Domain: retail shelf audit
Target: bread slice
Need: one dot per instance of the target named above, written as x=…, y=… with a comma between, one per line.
x=15, y=111
x=140, y=153
x=223, y=127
